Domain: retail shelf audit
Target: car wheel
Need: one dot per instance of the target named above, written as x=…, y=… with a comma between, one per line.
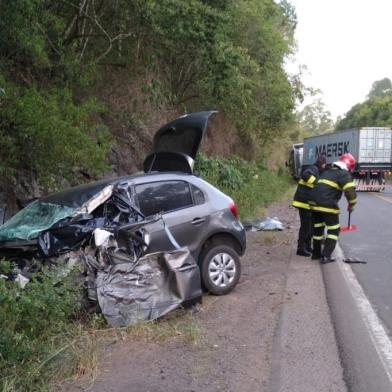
x=220, y=269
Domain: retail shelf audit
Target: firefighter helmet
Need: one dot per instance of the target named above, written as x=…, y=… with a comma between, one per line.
x=346, y=162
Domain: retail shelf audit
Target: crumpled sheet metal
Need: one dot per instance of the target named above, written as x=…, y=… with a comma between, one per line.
x=150, y=288
x=117, y=210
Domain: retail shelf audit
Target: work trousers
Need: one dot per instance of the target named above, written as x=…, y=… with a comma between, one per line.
x=322, y=220
x=305, y=230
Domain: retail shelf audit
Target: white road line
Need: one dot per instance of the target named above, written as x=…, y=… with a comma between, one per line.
x=385, y=198
x=380, y=338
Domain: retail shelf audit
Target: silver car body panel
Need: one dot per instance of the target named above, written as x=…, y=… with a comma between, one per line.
x=192, y=226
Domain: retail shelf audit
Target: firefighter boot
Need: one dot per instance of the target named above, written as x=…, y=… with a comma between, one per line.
x=327, y=259
x=301, y=251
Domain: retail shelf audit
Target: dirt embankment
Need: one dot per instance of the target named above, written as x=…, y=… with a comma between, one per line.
x=226, y=346
x=132, y=124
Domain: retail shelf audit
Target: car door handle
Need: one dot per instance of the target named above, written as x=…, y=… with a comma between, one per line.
x=197, y=221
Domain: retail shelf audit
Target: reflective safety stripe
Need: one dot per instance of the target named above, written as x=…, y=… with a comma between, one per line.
x=333, y=227
x=302, y=182
x=311, y=180
x=349, y=185
x=318, y=237
x=330, y=183
x=319, y=225
x=353, y=201
x=332, y=237
x=299, y=204
x=324, y=209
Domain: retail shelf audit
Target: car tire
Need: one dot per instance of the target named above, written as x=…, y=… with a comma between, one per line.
x=220, y=269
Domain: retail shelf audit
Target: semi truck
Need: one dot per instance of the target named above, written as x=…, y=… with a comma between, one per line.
x=370, y=146
x=295, y=160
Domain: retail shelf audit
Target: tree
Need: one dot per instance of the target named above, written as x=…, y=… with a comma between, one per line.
x=314, y=118
x=374, y=112
x=381, y=88
x=182, y=55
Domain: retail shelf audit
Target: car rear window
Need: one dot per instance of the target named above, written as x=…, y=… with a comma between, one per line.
x=163, y=196
x=198, y=195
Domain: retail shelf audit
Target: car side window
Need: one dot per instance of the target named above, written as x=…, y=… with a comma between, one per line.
x=198, y=195
x=163, y=196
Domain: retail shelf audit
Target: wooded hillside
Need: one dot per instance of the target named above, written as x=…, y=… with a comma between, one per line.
x=85, y=83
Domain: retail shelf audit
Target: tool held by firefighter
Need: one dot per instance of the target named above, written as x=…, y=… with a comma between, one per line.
x=324, y=199
x=349, y=227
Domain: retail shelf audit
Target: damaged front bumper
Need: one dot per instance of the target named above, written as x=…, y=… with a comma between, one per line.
x=106, y=238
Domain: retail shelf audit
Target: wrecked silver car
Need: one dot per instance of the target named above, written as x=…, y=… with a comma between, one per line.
x=147, y=243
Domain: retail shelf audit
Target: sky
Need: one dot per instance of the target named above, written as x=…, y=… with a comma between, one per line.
x=346, y=46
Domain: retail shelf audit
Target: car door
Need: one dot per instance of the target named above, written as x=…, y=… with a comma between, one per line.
x=184, y=211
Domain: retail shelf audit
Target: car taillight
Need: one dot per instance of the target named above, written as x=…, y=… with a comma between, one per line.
x=233, y=209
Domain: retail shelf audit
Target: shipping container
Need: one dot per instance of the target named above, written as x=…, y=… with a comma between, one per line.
x=370, y=146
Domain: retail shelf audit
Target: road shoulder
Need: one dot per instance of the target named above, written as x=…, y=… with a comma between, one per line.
x=305, y=351
x=364, y=346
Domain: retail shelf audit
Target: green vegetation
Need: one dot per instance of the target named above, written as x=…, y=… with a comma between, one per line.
x=250, y=185
x=376, y=111
x=180, y=55
x=49, y=134
x=36, y=328
x=313, y=119
x=381, y=88
x=46, y=338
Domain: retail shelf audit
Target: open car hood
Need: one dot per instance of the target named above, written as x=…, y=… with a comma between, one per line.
x=176, y=144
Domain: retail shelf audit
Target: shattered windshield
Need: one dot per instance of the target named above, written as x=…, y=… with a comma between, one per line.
x=29, y=222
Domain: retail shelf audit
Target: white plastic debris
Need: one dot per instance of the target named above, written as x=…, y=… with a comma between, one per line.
x=101, y=237
x=267, y=224
x=21, y=280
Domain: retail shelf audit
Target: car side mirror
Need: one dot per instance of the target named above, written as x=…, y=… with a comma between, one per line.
x=2, y=215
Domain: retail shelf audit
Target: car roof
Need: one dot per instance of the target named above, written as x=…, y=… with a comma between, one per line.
x=76, y=196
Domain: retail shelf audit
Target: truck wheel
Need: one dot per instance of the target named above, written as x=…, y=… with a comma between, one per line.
x=220, y=269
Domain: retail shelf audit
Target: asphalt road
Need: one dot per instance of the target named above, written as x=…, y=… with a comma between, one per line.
x=372, y=242
x=359, y=295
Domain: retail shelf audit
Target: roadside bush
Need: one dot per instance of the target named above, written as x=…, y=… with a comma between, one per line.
x=50, y=135
x=251, y=185
x=35, y=326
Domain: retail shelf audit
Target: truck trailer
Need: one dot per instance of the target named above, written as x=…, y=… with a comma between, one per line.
x=370, y=146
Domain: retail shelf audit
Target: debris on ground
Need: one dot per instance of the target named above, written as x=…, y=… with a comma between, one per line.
x=267, y=224
x=353, y=260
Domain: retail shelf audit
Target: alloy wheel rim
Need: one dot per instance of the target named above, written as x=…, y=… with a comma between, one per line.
x=222, y=269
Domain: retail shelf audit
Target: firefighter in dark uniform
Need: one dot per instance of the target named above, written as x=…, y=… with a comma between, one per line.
x=309, y=177
x=323, y=201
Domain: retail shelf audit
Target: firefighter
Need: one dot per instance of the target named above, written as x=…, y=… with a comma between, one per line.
x=323, y=201
x=309, y=177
